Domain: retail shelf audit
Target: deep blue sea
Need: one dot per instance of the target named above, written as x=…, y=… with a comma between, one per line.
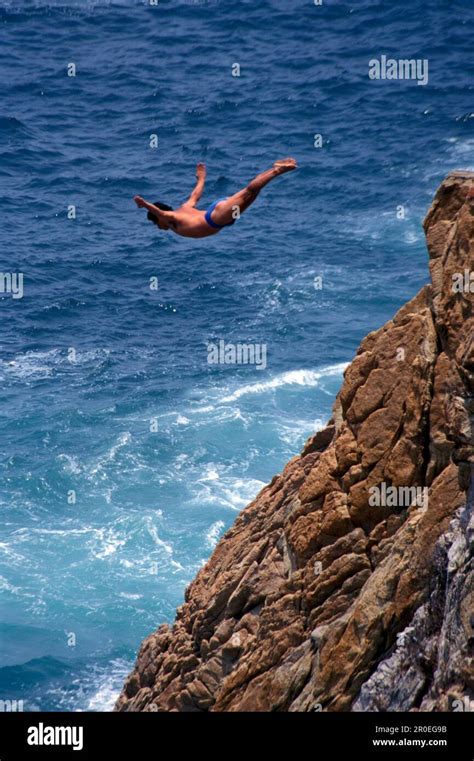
x=106, y=393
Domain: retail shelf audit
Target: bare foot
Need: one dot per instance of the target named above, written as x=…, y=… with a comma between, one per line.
x=285, y=165
x=200, y=170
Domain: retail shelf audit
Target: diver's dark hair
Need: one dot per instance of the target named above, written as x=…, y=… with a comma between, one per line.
x=162, y=206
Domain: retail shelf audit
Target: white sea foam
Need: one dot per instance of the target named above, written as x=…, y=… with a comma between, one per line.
x=465, y=150
x=292, y=433
x=213, y=534
x=96, y=689
x=292, y=377
x=13, y=557
x=204, y=410
x=210, y=473
x=5, y=586
x=411, y=236
x=153, y=532
x=109, y=687
x=71, y=464
x=59, y=531
x=160, y=544
x=35, y=365
x=466, y=146
x=109, y=541
x=31, y=364
x=122, y=441
x=227, y=491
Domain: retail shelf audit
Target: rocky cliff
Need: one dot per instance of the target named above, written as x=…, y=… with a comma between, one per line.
x=348, y=583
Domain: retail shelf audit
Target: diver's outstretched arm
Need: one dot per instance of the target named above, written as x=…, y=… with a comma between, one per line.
x=158, y=213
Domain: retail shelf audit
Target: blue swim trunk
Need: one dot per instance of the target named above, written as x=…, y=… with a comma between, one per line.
x=210, y=221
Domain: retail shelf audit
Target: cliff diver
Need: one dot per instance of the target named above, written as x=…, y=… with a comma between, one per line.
x=191, y=222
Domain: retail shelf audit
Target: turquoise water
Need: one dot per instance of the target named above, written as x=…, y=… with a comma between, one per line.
x=161, y=449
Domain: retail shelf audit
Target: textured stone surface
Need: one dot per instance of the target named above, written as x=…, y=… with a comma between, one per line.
x=317, y=598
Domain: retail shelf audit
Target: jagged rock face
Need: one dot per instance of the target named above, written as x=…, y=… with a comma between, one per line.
x=325, y=595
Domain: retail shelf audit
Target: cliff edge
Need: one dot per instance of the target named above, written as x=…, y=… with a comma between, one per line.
x=348, y=583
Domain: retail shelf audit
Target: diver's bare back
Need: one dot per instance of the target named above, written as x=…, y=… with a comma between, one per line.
x=190, y=222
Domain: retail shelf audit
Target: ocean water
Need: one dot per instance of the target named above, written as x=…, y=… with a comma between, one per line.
x=106, y=390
